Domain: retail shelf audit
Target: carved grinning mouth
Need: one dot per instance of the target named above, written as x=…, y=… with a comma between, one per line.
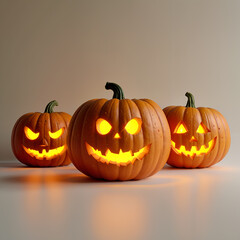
x=121, y=158
x=194, y=151
x=48, y=155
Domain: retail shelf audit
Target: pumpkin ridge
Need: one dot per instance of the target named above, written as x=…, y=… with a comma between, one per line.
x=217, y=144
x=227, y=132
x=15, y=127
x=183, y=117
x=84, y=121
x=224, y=130
x=141, y=163
x=154, y=136
x=164, y=128
x=134, y=111
x=60, y=119
x=107, y=108
x=65, y=116
x=210, y=154
x=129, y=169
x=145, y=170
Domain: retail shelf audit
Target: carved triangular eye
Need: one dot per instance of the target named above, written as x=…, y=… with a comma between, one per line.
x=181, y=128
x=202, y=128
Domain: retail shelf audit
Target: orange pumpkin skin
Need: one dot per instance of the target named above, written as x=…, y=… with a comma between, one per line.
x=41, y=152
x=203, y=148
x=154, y=134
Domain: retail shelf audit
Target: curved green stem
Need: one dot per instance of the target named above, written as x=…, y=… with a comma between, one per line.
x=50, y=106
x=191, y=101
x=117, y=90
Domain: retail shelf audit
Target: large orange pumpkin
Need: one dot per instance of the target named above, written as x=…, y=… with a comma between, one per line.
x=200, y=136
x=39, y=139
x=119, y=139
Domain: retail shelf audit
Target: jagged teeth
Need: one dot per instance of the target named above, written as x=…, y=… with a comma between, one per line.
x=121, y=158
x=194, y=150
x=44, y=154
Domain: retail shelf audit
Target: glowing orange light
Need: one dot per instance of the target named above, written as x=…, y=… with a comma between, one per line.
x=48, y=155
x=202, y=129
x=56, y=134
x=117, y=135
x=30, y=134
x=194, y=151
x=103, y=126
x=193, y=139
x=180, y=129
x=121, y=158
x=133, y=126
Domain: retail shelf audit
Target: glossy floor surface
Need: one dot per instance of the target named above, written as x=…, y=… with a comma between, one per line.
x=61, y=203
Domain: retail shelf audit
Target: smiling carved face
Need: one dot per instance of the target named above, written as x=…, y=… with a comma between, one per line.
x=200, y=136
x=192, y=148
x=120, y=158
x=119, y=139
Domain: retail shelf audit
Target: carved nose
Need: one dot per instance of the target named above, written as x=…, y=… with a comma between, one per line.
x=44, y=143
x=193, y=139
x=117, y=135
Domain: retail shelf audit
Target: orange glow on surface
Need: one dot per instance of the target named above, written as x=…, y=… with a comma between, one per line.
x=133, y=126
x=180, y=129
x=121, y=158
x=118, y=216
x=30, y=134
x=202, y=129
x=194, y=151
x=56, y=134
x=103, y=126
x=46, y=155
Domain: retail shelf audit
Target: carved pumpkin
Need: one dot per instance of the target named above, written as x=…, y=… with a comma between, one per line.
x=200, y=136
x=119, y=139
x=39, y=139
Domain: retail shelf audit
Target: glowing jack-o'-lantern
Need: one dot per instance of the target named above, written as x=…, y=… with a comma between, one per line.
x=39, y=139
x=200, y=136
x=119, y=139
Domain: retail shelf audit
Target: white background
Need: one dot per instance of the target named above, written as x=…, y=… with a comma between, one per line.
x=68, y=50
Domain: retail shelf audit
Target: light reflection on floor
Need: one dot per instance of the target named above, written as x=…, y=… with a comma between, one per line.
x=56, y=197
x=115, y=216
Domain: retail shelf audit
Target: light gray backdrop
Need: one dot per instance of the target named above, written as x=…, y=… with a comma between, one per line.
x=68, y=50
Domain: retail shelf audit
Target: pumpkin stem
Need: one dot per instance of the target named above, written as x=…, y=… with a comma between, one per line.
x=117, y=90
x=50, y=106
x=191, y=101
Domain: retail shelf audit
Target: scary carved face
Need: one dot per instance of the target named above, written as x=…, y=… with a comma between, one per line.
x=39, y=139
x=41, y=149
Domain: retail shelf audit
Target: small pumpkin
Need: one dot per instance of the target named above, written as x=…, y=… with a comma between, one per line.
x=119, y=139
x=39, y=139
x=200, y=137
